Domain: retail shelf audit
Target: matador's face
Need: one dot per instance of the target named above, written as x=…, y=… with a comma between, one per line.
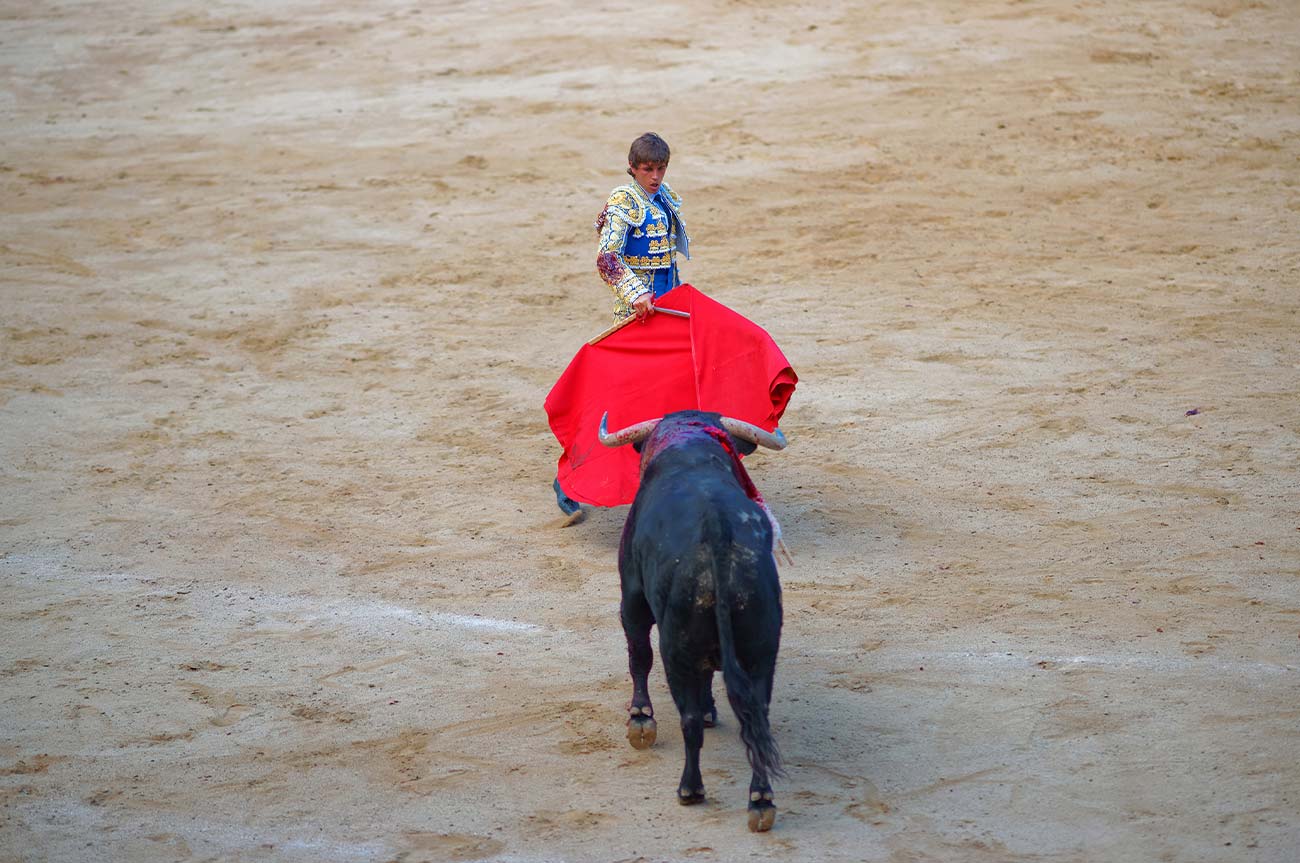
x=649, y=175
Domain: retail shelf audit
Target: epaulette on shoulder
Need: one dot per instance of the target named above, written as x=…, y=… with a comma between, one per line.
x=626, y=205
x=673, y=198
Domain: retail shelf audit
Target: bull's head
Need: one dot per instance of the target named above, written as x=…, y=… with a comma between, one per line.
x=634, y=434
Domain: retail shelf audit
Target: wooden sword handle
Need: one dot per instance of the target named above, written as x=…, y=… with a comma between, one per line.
x=623, y=323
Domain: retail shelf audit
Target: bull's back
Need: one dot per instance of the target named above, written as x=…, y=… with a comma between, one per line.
x=689, y=538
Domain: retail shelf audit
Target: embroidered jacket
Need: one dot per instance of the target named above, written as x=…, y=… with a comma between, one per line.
x=638, y=240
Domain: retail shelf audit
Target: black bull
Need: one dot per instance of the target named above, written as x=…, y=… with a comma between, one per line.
x=697, y=559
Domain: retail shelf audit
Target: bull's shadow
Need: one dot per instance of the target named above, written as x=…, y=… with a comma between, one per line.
x=600, y=532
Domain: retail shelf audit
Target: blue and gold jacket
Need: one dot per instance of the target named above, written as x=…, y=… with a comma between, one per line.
x=638, y=241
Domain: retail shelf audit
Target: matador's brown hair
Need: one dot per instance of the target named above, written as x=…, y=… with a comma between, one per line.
x=648, y=148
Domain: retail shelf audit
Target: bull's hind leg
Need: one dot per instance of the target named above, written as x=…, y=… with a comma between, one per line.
x=690, y=692
x=749, y=689
x=710, y=708
x=637, y=620
x=762, y=810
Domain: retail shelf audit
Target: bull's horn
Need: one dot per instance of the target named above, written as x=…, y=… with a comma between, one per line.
x=754, y=434
x=631, y=434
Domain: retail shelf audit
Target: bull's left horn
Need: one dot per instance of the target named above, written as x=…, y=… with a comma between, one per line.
x=631, y=434
x=754, y=434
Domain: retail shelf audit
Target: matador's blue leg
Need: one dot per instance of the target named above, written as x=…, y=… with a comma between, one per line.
x=568, y=505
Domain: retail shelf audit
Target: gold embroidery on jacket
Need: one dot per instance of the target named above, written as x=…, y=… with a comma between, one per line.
x=628, y=211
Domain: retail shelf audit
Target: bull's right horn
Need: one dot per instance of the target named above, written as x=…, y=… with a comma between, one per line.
x=754, y=434
x=631, y=434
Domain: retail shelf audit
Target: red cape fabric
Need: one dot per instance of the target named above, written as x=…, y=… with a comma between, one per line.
x=716, y=361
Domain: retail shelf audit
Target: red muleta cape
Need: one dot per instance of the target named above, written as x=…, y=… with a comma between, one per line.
x=717, y=360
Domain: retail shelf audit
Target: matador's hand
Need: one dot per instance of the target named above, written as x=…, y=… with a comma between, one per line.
x=643, y=306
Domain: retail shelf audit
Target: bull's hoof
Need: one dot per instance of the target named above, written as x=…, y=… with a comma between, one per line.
x=690, y=796
x=641, y=731
x=711, y=717
x=761, y=816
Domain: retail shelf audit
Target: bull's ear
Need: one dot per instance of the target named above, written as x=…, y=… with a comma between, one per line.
x=743, y=447
x=636, y=445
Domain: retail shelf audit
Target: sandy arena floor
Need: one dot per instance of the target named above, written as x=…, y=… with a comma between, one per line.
x=285, y=284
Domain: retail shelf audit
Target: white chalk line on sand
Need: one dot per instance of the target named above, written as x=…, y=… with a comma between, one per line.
x=211, y=836
x=207, y=835
x=37, y=571
x=1134, y=660
x=369, y=612
x=1009, y=660
x=466, y=621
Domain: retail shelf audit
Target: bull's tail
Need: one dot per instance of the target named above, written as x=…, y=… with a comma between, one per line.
x=748, y=695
